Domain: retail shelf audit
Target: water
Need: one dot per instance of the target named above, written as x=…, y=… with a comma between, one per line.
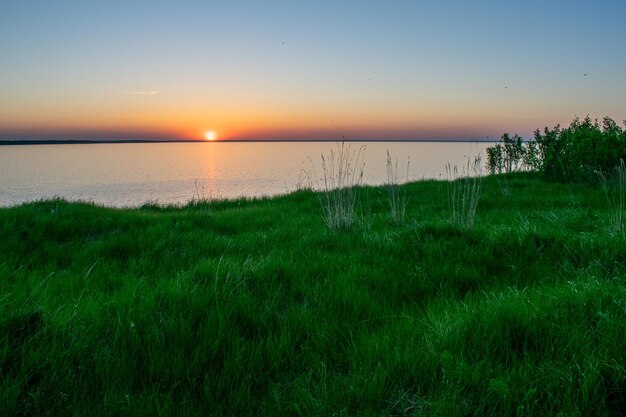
x=131, y=174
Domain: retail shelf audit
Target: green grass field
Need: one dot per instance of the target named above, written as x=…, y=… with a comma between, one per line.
x=248, y=308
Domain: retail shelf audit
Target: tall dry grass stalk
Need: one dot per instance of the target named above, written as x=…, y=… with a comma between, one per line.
x=398, y=199
x=615, y=192
x=305, y=180
x=464, y=191
x=342, y=170
x=201, y=195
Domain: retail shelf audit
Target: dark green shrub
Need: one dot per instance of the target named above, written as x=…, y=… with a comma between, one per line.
x=512, y=154
x=581, y=149
x=495, y=162
x=550, y=146
x=532, y=156
x=576, y=152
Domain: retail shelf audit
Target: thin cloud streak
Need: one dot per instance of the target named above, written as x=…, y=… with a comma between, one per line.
x=143, y=93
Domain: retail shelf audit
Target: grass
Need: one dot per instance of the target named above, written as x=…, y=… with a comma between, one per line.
x=396, y=196
x=342, y=170
x=615, y=192
x=256, y=308
x=463, y=192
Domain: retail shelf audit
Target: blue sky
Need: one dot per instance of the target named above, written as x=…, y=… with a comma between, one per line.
x=323, y=69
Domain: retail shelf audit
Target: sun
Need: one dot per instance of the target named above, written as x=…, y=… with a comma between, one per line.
x=210, y=135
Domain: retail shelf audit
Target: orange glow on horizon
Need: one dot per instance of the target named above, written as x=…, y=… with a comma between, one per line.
x=189, y=121
x=210, y=135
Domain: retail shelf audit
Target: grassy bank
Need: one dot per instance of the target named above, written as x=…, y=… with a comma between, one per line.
x=256, y=308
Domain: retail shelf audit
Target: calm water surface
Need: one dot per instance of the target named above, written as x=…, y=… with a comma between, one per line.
x=131, y=174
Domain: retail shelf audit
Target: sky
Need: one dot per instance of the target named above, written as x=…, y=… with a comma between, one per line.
x=385, y=70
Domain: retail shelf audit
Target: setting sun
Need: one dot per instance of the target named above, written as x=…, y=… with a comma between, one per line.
x=210, y=135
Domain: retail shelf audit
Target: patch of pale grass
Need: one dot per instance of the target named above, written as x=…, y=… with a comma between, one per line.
x=342, y=176
x=464, y=189
x=396, y=195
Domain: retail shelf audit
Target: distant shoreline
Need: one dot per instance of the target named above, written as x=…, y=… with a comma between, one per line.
x=90, y=142
x=85, y=142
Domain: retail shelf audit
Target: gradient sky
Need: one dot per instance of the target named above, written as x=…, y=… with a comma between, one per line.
x=307, y=70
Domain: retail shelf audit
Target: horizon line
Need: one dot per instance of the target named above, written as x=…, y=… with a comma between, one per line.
x=5, y=142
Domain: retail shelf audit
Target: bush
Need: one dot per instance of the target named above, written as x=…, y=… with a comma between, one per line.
x=512, y=154
x=575, y=152
x=583, y=148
